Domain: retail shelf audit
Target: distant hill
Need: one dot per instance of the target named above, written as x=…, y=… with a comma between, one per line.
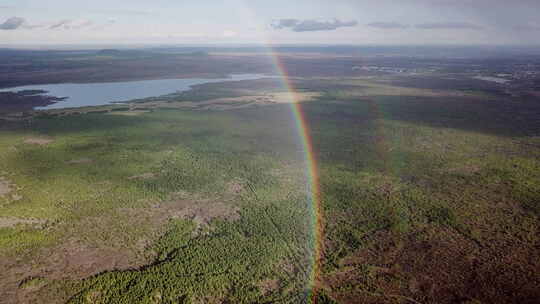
x=139, y=53
x=195, y=54
x=110, y=52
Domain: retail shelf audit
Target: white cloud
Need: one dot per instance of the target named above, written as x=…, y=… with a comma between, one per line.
x=311, y=25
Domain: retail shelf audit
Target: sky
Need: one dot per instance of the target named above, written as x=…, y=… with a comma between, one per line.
x=354, y=22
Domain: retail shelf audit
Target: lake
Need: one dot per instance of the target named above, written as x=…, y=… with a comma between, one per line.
x=95, y=94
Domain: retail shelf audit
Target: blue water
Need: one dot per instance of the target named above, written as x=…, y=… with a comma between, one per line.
x=95, y=94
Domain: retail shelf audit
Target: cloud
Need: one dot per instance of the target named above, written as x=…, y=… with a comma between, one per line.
x=229, y=33
x=33, y=26
x=59, y=24
x=68, y=24
x=448, y=25
x=284, y=23
x=12, y=23
x=102, y=26
x=387, y=25
x=311, y=25
x=82, y=24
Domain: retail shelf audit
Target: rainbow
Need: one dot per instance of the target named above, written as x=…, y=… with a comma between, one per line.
x=312, y=174
x=302, y=128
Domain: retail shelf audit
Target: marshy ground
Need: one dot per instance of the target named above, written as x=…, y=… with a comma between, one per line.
x=427, y=195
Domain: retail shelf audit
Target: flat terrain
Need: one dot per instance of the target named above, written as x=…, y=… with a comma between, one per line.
x=429, y=194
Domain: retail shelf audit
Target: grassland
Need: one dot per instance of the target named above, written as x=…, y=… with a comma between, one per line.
x=428, y=196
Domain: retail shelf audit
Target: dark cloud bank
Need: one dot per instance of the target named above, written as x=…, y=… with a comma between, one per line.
x=12, y=23
x=15, y=23
x=310, y=25
x=387, y=25
x=71, y=24
x=426, y=26
x=449, y=25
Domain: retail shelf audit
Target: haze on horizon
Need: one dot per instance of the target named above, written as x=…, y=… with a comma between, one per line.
x=419, y=22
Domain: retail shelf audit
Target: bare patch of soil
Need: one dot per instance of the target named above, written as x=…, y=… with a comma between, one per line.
x=203, y=214
x=5, y=187
x=70, y=260
x=235, y=187
x=288, y=266
x=41, y=141
x=10, y=222
x=76, y=260
x=32, y=283
x=201, y=211
x=210, y=300
x=148, y=175
x=80, y=161
x=269, y=286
